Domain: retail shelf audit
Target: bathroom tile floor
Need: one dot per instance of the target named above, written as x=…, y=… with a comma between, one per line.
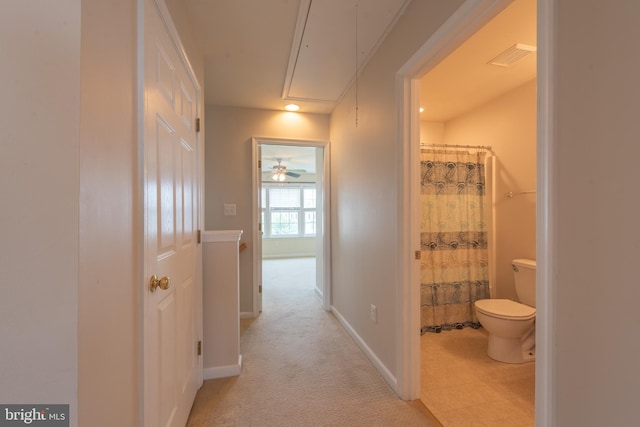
x=462, y=386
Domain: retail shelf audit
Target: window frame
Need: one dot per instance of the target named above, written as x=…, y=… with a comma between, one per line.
x=266, y=210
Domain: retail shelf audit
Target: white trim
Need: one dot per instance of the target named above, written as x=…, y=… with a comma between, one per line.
x=291, y=255
x=325, y=228
x=490, y=168
x=247, y=315
x=256, y=232
x=223, y=371
x=221, y=236
x=408, y=323
x=464, y=22
x=301, y=21
x=141, y=252
x=545, y=254
x=377, y=363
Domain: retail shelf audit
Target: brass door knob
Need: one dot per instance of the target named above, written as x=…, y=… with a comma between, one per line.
x=156, y=283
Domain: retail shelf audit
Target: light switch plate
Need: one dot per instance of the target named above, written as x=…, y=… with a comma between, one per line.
x=229, y=209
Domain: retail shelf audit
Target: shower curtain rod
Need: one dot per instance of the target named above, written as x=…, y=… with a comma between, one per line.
x=477, y=147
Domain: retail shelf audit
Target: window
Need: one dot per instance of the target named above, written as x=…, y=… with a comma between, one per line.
x=289, y=210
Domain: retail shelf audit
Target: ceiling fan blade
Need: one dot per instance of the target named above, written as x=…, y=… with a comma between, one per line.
x=292, y=174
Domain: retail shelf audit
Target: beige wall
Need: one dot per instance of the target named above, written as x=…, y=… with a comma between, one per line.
x=595, y=178
x=228, y=169
x=39, y=144
x=508, y=124
x=364, y=177
x=431, y=132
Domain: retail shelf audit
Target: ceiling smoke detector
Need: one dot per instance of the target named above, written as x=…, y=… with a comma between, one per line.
x=512, y=55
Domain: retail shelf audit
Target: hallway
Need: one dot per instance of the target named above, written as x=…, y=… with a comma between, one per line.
x=299, y=367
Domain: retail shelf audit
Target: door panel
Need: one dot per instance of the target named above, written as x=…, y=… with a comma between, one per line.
x=166, y=188
x=171, y=332
x=166, y=318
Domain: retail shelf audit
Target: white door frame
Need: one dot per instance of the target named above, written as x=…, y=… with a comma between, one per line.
x=323, y=274
x=146, y=271
x=470, y=17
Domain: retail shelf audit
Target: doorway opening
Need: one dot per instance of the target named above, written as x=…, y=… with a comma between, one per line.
x=477, y=144
x=465, y=22
x=291, y=194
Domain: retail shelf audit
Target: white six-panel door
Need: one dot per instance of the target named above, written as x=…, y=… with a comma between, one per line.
x=170, y=359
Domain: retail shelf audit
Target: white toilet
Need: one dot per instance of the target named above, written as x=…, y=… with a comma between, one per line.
x=511, y=325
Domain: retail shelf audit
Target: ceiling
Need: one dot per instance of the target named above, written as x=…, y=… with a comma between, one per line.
x=465, y=80
x=322, y=64
x=259, y=52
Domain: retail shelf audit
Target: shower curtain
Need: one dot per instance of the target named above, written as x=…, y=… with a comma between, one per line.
x=453, y=241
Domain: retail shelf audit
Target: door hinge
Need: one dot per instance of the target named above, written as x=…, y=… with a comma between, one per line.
x=198, y=124
x=260, y=289
x=259, y=226
x=418, y=254
x=199, y=234
x=199, y=348
x=259, y=164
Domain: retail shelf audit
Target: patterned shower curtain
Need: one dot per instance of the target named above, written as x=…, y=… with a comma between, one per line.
x=454, y=260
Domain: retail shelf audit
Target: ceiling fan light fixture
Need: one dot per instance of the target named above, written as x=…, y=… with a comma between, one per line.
x=278, y=176
x=279, y=172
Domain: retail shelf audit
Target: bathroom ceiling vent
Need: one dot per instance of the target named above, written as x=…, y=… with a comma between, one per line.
x=512, y=55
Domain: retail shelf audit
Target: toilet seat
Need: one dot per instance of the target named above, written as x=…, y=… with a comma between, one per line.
x=505, y=309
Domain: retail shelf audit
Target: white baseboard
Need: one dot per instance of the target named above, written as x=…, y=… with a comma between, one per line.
x=246, y=315
x=223, y=371
x=380, y=367
x=289, y=256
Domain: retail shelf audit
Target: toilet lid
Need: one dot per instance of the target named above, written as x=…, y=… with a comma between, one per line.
x=505, y=308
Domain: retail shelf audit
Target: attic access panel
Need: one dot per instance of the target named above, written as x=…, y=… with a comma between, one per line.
x=322, y=63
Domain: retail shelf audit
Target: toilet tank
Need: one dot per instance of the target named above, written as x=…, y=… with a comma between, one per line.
x=524, y=271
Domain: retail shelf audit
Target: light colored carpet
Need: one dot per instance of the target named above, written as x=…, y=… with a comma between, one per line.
x=300, y=368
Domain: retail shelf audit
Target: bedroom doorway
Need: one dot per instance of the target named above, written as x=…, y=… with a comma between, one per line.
x=291, y=213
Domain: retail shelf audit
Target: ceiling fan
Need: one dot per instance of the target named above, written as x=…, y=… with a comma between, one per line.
x=280, y=172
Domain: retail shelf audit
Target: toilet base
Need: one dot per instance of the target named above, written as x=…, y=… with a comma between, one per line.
x=509, y=350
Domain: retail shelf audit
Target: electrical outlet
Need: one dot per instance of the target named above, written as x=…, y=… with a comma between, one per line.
x=374, y=313
x=229, y=209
